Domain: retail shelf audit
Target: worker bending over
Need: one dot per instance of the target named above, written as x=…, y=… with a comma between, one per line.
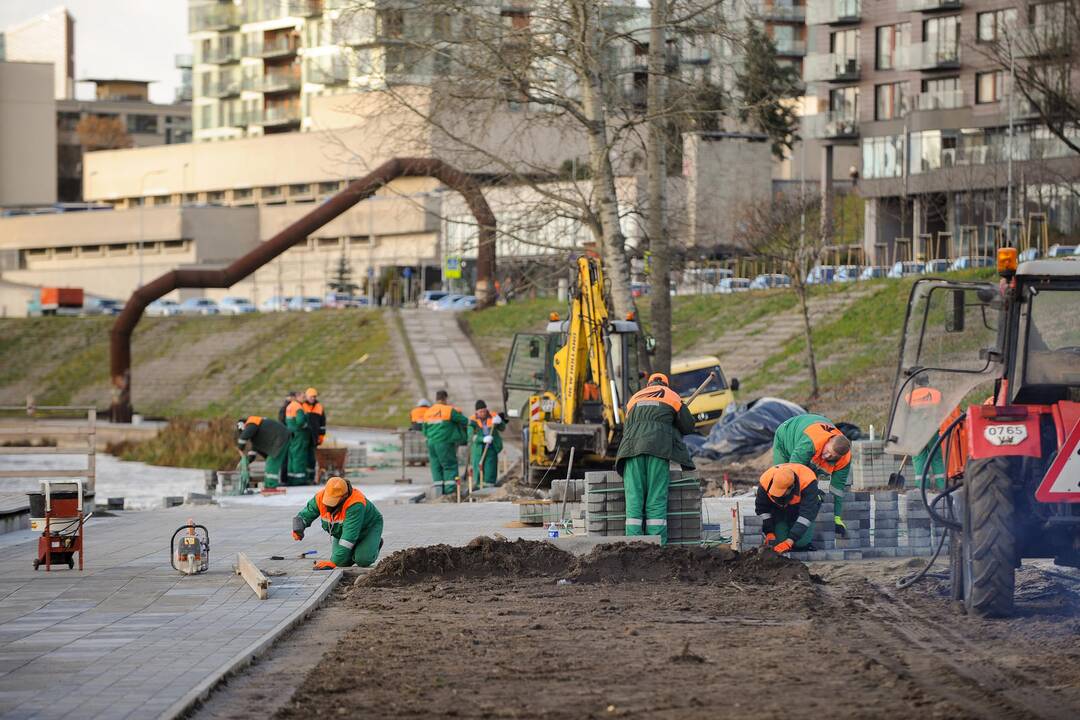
x=416, y=415
x=316, y=422
x=268, y=438
x=814, y=441
x=924, y=402
x=444, y=428
x=485, y=444
x=299, y=440
x=656, y=421
x=788, y=501
x=353, y=522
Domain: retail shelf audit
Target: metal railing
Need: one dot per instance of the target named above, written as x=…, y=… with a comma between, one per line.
x=260, y=10
x=224, y=88
x=276, y=47
x=277, y=115
x=1040, y=40
x=791, y=47
x=222, y=55
x=213, y=17
x=927, y=56
x=783, y=13
x=831, y=67
x=927, y=5
x=940, y=100
x=274, y=82
x=831, y=125
x=831, y=12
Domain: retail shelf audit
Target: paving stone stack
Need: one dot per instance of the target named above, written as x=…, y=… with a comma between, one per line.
x=886, y=527
x=915, y=519
x=684, y=509
x=531, y=512
x=871, y=465
x=605, y=501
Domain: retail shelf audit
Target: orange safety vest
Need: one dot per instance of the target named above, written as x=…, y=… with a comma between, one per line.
x=292, y=409
x=438, y=413
x=655, y=395
x=483, y=426
x=803, y=475
x=254, y=420
x=330, y=517
x=417, y=414
x=923, y=397
x=820, y=434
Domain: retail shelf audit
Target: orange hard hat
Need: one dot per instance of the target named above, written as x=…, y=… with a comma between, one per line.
x=336, y=489
x=658, y=377
x=780, y=484
x=312, y=391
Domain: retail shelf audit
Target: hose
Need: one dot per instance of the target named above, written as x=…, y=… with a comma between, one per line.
x=909, y=580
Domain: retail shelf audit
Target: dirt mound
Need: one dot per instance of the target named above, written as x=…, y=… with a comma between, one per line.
x=636, y=562
x=482, y=557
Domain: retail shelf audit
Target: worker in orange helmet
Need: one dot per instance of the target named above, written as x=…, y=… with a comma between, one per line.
x=316, y=424
x=788, y=501
x=353, y=522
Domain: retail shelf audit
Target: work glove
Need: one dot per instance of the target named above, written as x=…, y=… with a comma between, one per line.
x=323, y=565
x=783, y=547
x=839, y=526
x=496, y=420
x=297, y=536
x=298, y=528
x=488, y=439
x=770, y=538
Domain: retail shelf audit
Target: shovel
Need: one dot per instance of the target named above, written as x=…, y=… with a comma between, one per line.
x=896, y=479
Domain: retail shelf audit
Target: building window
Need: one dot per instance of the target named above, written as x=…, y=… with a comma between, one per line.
x=1050, y=14
x=942, y=37
x=844, y=103
x=142, y=123
x=243, y=195
x=299, y=189
x=989, y=87
x=191, y=198
x=390, y=24
x=162, y=200
x=883, y=156
x=992, y=25
x=845, y=44
x=206, y=117
x=67, y=120
x=327, y=188
x=889, y=100
x=174, y=245
x=890, y=41
x=330, y=243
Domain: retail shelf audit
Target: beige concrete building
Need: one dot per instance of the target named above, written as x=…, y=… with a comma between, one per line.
x=27, y=135
x=47, y=38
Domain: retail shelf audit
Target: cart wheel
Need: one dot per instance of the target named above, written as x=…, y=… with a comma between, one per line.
x=37, y=563
x=71, y=563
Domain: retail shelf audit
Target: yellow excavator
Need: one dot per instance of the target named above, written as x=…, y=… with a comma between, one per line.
x=569, y=384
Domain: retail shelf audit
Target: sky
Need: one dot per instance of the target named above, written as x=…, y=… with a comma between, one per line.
x=135, y=39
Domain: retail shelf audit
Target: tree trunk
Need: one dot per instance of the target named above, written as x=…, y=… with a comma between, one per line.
x=811, y=361
x=613, y=248
x=656, y=163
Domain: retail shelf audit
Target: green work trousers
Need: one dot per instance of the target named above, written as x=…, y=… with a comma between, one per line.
x=309, y=465
x=298, y=450
x=367, y=547
x=783, y=527
x=274, y=464
x=444, y=467
x=489, y=473
x=936, y=463
x=646, y=479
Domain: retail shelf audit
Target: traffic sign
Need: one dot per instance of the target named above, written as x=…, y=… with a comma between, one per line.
x=1062, y=481
x=453, y=267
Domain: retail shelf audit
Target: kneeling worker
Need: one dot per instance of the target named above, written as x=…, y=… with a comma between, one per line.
x=268, y=438
x=656, y=420
x=788, y=502
x=352, y=520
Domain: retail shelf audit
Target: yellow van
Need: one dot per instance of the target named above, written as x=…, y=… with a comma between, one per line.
x=688, y=373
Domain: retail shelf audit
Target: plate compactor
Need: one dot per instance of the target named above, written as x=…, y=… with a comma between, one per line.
x=191, y=555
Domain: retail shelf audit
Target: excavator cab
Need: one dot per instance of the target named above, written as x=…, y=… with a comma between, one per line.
x=989, y=375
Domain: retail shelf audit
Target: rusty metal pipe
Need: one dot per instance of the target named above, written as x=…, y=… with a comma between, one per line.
x=365, y=187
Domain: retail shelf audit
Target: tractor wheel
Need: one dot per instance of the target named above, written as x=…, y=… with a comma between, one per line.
x=989, y=541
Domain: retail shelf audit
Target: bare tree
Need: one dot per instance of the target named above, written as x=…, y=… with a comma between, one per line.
x=100, y=132
x=659, y=242
x=783, y=230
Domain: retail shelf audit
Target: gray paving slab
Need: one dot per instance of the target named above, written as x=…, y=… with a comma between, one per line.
x=118, y=630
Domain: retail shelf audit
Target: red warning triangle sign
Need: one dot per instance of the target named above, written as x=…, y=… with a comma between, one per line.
x=1062, y=481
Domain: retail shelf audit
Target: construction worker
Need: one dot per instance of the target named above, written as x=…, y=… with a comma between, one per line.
x=814, y=441
x=924, y=401
x=289, y=397
x=299, y=440
x=445, y=429
x=656, y=420
x=416, y=415
x=352, y=520
x=788, y=501
x=268, y=438
x=316, y=421
x=485, y=444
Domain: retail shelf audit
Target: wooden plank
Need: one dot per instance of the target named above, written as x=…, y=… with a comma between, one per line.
x=46, y=431
x=252, y=576
x=42, y=450
x=63, y=473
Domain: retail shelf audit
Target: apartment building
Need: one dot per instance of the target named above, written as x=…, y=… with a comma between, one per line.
x=914, y=86
x=45, y=38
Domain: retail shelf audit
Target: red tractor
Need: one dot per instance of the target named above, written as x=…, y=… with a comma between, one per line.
x=987, y=395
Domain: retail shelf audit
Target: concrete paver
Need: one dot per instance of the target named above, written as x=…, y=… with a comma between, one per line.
x=130, y=637
x=448, y=360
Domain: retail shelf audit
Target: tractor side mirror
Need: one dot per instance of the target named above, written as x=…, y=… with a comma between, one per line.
x=650, y=344
x=734, y=384
x=954, y=321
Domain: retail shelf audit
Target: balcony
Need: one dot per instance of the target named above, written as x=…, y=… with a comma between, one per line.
x=783, y=13
x=281, y=46
x=222, y=56
x=275, y=82
x=1041, y=41
x=928, y=56
x=831, y=67
x=224, y=88
x=928, y=5
x=791, y=48
x=833, y=12
x=833, y=125
x=336, y=74
x=213, y=18
x=277, y=116
x=281, y=9
x=942, y=100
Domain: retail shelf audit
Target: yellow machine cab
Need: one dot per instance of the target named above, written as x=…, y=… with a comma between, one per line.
x=687, y=374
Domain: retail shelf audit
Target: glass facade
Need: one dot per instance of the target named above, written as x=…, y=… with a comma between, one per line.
x=883, y=157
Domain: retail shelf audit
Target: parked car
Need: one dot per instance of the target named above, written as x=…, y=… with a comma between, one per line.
x=906, y=269
x=934, y=267
x=446, y=301
x=101, y=306
x=734, y=284
x=199, y=306
x=966, y=262
x=1061, y=250
x=276, y=303
x=639, y=289
x=846, y=273
x=770, y=280
x=465, y=302
x=821, y=275
x=301, y=303
x=343, y=300
x=236, y=306
x=1031, y=254
x=873, y=272
x=431, y=297
x=163, y=308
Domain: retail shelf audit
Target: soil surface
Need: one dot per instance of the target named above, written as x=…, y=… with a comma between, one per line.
x=676, y=633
